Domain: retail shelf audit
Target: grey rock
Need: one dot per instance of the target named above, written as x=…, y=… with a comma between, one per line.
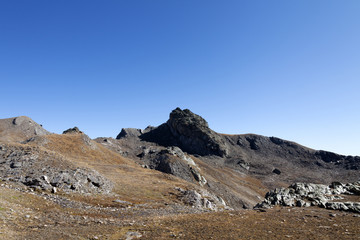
x=299, y=194
x=121, y=201
x=16, y=165
x=301, y=203
x=74, y=130
x=194, y=135
x=336, y=206
x=190, y=132
x=28, y=126
x=129, y=132
x=244, y=164
x=355, y=189
x=202, y=199
x=36, y=172
x=276, y=171
x=133, y=235
x=198, y=177
x=46, y=179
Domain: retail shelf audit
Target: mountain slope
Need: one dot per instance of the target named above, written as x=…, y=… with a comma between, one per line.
x=274, y=162
x=153, y=182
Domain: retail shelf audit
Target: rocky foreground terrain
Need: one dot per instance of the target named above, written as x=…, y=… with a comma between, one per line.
x=178, y=180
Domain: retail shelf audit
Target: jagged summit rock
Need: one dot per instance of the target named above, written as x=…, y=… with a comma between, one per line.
x=187, y=119
x=74, y=130
x=194, y=135
x=190, y=132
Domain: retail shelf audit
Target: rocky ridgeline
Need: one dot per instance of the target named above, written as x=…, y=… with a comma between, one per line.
x=49, y=172
x=309, y=194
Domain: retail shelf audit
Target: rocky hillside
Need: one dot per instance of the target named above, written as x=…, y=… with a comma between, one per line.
x=239, y=168
x=179, y=167
x=20, y=128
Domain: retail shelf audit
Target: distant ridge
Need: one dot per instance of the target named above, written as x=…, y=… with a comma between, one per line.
x=20, y=128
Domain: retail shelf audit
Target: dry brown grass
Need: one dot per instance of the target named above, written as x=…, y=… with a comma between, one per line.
x=132, y=182
x=73, y=146
x=50, y=221
x=241, y=185
x=278, y=223
x=138, y=185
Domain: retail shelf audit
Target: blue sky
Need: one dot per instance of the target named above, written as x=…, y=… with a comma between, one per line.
x=289, y=69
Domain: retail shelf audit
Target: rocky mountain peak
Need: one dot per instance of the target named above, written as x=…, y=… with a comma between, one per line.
x=194, y=135
x=187, y=122
x=129, y=132
x=188, y=131
x=74, y=130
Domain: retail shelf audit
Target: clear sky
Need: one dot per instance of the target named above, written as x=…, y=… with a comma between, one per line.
x=281, y=68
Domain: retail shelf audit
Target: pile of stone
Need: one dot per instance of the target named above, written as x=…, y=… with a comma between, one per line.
x=309, y=194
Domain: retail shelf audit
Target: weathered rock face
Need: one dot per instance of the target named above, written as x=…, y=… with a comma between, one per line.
x=172, y=160
x=309, y=194
x=349, y=162
x=190, y=132
x=194, y=134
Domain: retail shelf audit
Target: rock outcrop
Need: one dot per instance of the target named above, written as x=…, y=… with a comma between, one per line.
x=172, y=160
x=129, y=132
x=46, y=171
x=309, y=194
x=74, y=130
x=202, y=199
x=194, y=135
x=170, y=147
x=190, y=132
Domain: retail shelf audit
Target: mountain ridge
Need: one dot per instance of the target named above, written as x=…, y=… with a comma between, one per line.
x=180, y=168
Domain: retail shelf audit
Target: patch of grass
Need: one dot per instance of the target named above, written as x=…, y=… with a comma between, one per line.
x=16, y=197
